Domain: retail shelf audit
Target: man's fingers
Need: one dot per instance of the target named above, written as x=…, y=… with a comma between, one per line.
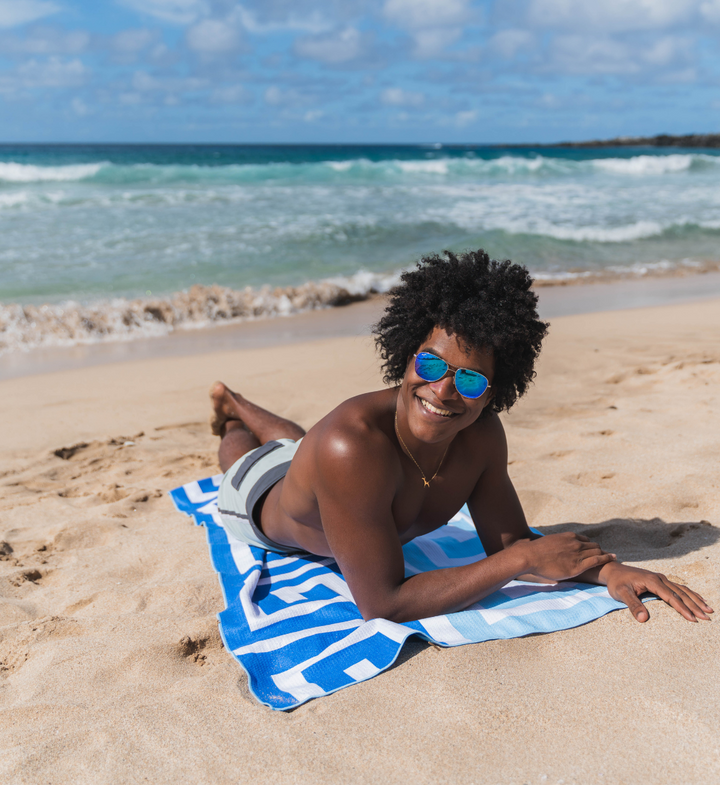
x=627, y=595
x=591, y=548
x=697, y=598
x=596, y=560
x=680, y=598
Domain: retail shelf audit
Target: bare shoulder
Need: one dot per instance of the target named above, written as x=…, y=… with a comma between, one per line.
x=355, y=438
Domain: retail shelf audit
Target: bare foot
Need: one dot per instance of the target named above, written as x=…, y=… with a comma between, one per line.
x=224, y=408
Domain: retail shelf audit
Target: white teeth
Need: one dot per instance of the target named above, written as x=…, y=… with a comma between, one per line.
x=434, y=409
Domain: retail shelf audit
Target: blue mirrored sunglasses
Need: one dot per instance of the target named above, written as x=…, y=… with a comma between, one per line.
x=470, y=384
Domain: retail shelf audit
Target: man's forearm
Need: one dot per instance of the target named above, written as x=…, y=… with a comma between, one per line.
x=597, y=575
x=448, y=590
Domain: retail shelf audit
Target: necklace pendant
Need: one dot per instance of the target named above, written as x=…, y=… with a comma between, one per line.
x=427, y=484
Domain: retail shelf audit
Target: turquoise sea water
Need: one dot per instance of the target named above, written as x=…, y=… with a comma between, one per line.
x=97, y=226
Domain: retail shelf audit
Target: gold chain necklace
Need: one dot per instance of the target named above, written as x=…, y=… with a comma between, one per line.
x=410, y=455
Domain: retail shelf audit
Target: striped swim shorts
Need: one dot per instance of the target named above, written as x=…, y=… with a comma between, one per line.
x=245, y=484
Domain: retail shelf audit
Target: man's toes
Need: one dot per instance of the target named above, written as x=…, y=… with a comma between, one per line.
x=217, y=392
x=217, y=426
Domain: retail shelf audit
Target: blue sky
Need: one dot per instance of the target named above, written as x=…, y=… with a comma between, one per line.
x=344, y=70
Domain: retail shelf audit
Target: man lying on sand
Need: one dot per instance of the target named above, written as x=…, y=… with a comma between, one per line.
x=459, y=339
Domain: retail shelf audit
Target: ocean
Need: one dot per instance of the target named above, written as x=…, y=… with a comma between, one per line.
x=108, y=242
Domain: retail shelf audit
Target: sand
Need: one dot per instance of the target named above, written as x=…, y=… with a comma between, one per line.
x=111, y=665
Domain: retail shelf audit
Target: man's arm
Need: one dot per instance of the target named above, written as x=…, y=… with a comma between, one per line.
x=358, y=476
x=500, y=522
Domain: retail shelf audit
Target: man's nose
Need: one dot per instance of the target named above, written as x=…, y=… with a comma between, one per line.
x=444, y=388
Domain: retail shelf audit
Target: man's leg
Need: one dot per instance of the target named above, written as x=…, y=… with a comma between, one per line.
x=243, y=426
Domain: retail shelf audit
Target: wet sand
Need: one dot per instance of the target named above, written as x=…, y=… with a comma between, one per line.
x=111, y=665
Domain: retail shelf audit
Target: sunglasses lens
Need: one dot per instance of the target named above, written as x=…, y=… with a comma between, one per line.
x=429, y=367
x=470, y=384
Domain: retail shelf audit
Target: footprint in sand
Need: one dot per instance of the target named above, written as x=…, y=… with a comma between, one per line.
x=13, y=660
x=590, y=479
x=196, y=649
x=26, y=576
x=187, y=425
x=66, y=453
x=17, y=649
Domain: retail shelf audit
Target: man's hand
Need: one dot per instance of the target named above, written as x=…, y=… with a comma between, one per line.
x=626, y=584
x=559, y=557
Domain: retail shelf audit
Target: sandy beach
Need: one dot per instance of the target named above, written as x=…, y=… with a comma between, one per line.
x=111, y=665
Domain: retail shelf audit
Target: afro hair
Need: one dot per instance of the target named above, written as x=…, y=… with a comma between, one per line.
x=485, y=303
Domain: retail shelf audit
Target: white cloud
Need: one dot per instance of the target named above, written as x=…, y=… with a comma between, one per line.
x=52, y=73
x=334, y=48
x=396, y=96
x=130, y=99
x=20, y=12
x=710, y=10
x=666, y=51
x=432, y=42
x=465, y=118
x=131, y=41
x=229, y=94
x=313, y=23
x=434, y=24
x=273, y=95
x=276, y=96
x=45, y=41
x=181, y=12
x=426, y=13
x=684, y=76
x=577, y=54
x=509, y=43
x=549, y=101
x=143, y=82
x=610, y=15
x=212, y=35
x=80, y=108
x=313, y=115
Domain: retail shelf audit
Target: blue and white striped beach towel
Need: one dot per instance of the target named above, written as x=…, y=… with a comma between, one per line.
x=293, y=626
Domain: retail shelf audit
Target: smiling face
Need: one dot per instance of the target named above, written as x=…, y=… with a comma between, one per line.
x=436, y=410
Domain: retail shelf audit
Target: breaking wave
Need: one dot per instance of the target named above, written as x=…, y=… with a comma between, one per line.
x=70, y=323
x=11, y=172
x=23, y=327
x=355, y=169
x=652, y=164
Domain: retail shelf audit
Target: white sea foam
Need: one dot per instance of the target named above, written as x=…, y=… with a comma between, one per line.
x=650, y=164
x=70, y=323
x=510, y=212
x=343, y=166
x=433, y=166
x=11, y=172
x=516, y=164
x=356, y=169
x=637, y=270
x=13, y=199
x=598, y=234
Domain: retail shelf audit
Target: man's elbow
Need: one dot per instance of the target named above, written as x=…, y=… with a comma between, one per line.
x=390, y=611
